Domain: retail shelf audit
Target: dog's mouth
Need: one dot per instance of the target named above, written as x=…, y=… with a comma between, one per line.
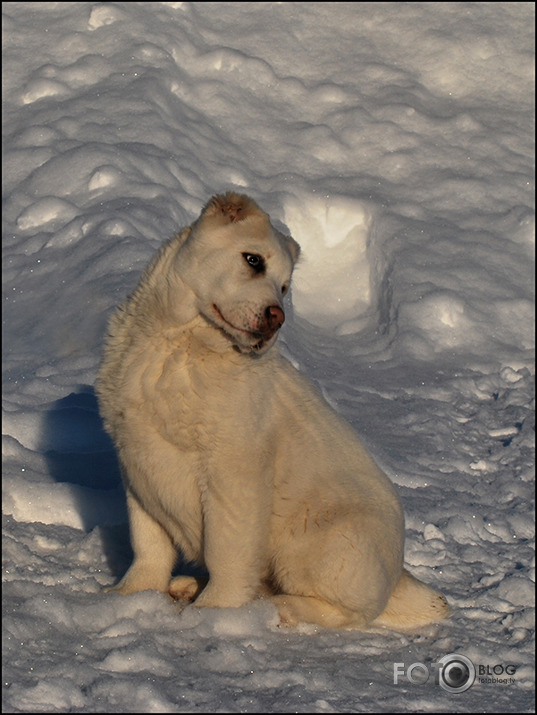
x=255, y=340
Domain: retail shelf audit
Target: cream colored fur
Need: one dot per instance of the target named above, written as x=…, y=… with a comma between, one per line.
x=230, y=456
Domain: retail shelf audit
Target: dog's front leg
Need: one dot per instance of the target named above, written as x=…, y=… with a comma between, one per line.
x=236, y=514
x=154, y=552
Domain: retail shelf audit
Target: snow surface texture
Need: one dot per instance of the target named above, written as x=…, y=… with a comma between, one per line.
x=395, y=142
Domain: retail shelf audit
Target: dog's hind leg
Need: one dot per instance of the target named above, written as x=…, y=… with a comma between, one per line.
x=310, y=609
x=412, y=604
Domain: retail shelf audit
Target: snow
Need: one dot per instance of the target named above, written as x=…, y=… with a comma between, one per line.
x=395, y=142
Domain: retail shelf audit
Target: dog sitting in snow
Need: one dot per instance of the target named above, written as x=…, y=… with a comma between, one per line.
x=231, y=457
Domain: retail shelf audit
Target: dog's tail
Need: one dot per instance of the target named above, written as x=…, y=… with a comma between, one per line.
x=412, y=604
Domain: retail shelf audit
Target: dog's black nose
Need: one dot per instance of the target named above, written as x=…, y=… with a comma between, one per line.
x=275, y=317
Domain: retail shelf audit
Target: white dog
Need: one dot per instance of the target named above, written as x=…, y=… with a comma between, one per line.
x=229, y=455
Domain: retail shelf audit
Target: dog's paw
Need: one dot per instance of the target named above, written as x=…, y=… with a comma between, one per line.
x=288, y=615
x=186, y=588
x=225, y=596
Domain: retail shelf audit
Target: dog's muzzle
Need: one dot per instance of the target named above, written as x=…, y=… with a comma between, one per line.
x=258, y=337
x=275, y=318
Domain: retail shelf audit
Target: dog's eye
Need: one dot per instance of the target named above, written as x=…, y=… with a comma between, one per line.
x=285, y=288
x=254, y=261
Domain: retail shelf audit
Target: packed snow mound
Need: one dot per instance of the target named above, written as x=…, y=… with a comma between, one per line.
x=334, y=280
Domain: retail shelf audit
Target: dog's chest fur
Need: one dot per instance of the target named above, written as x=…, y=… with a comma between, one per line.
x=187, y=391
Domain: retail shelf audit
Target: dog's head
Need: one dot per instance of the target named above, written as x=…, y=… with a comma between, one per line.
x=239, y=268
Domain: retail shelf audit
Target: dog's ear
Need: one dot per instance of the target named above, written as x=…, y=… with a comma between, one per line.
x=230, y=207
x=294, y=248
